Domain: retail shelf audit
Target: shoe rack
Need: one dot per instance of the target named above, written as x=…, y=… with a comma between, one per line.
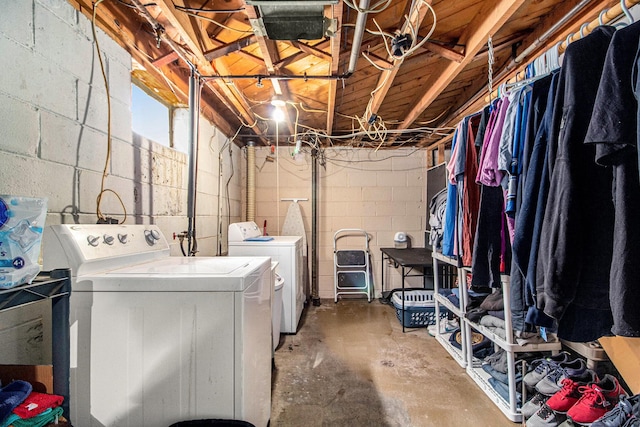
x=464, y=356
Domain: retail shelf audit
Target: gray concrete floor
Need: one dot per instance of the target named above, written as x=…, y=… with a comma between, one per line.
x=351, y=365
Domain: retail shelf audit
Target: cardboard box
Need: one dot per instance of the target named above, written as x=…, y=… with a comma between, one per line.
x=39, y=376
x=624, y=353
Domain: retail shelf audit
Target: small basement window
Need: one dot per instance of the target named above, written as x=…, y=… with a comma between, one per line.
x=150, y=117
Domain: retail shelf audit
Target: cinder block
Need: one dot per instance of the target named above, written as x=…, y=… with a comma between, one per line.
x=31, y=177
x=407, y=194
x=20, y=127
x=60, y=42
x=17, y=22
x=35, y=87
x=391, y=179
x=377, y=194
x=119, y=76
x=92, y=111
x=127, y=160
x=63, y=10
x=65, y=141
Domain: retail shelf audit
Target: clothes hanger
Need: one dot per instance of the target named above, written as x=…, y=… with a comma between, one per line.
x=626, y=11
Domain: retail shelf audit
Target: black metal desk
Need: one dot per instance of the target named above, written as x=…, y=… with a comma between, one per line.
x=408, y=260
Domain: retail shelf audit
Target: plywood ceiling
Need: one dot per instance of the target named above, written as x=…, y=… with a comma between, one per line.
x=386, y=102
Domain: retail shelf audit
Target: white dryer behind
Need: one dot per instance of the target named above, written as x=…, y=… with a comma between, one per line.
x=245, y=239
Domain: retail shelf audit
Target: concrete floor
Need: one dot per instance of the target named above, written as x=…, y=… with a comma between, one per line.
x=351, y=365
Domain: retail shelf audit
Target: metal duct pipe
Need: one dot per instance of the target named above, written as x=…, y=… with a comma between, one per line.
x=251, y=181
x=315, y=294
x=194, y=109
x=358, y=33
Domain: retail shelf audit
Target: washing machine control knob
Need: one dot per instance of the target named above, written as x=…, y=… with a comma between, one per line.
x=108, y=239
x=122, y=238
x=93, y=240
x=152, y=236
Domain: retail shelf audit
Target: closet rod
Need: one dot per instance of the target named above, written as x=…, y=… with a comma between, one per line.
x=611, y=14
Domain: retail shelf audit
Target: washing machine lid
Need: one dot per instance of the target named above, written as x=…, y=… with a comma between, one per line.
x=179, y=274
x=276, y=241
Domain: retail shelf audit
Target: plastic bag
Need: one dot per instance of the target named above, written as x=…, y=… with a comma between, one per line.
x=21, y=225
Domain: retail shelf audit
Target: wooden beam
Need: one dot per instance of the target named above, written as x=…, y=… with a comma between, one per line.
x=386, y=78
x=226, y=49
x=119, y=27
x=185, y=29
x=444, y=51
x=165, y=59
x=336, y=11
x=310, y=50
x=486, y=23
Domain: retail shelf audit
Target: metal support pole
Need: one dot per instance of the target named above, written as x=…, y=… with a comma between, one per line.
x=315, y=296
x=194, y=110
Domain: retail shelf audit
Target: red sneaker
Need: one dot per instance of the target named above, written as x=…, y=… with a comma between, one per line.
x=597, y=399
x=570, y=393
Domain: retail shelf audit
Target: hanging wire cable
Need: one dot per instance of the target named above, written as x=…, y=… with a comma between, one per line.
x=105, y=171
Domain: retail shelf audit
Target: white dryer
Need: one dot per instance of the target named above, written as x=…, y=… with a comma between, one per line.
x=157, y=339
x=245, y=239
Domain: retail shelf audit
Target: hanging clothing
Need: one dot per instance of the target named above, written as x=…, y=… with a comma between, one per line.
x=532, y=158
x=448, y=231
x=613, y=129
x=471, y=193
x=572, y=280
x=488, y=171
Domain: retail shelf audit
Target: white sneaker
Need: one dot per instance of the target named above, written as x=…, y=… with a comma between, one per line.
x=446, y=326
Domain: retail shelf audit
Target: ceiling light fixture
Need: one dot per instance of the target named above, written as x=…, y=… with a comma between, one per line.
x=277, y=101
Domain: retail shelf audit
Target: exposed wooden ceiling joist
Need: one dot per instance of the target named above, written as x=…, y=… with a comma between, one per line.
x=492, y=17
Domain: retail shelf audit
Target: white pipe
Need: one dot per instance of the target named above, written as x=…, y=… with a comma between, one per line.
x=251, y=181
x=358, y=33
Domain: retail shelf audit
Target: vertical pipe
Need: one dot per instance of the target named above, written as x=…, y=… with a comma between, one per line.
x=315, y=295
x=194, y=103
x=251, y=181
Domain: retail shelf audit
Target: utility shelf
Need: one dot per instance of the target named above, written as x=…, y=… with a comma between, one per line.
x=481, y=378
x=441, y=299
x=514, y=347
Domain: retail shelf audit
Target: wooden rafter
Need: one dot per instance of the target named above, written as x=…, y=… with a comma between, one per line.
x=386, y=78
x=189, y=34
x=119, y=27
x=335, y=63
x=226, y=49
x=486, y=23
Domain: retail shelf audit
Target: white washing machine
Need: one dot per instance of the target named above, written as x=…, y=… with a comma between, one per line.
x=157, y=339
x=245, y=239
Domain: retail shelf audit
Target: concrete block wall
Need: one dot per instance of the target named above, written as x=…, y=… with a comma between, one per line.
x=380, y=192
x=53, y=139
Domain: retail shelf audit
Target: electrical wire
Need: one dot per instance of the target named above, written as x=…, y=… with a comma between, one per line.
x=105, y=172
x=203, y=10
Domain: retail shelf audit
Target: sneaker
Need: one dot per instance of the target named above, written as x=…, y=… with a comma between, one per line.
x=570, y=393
x=633, y=421
x=597, y=399
x=542, y=368
x=533, y=405
x=620, y=414
x=552, y=383
x=545, y=417
x=446, y=326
